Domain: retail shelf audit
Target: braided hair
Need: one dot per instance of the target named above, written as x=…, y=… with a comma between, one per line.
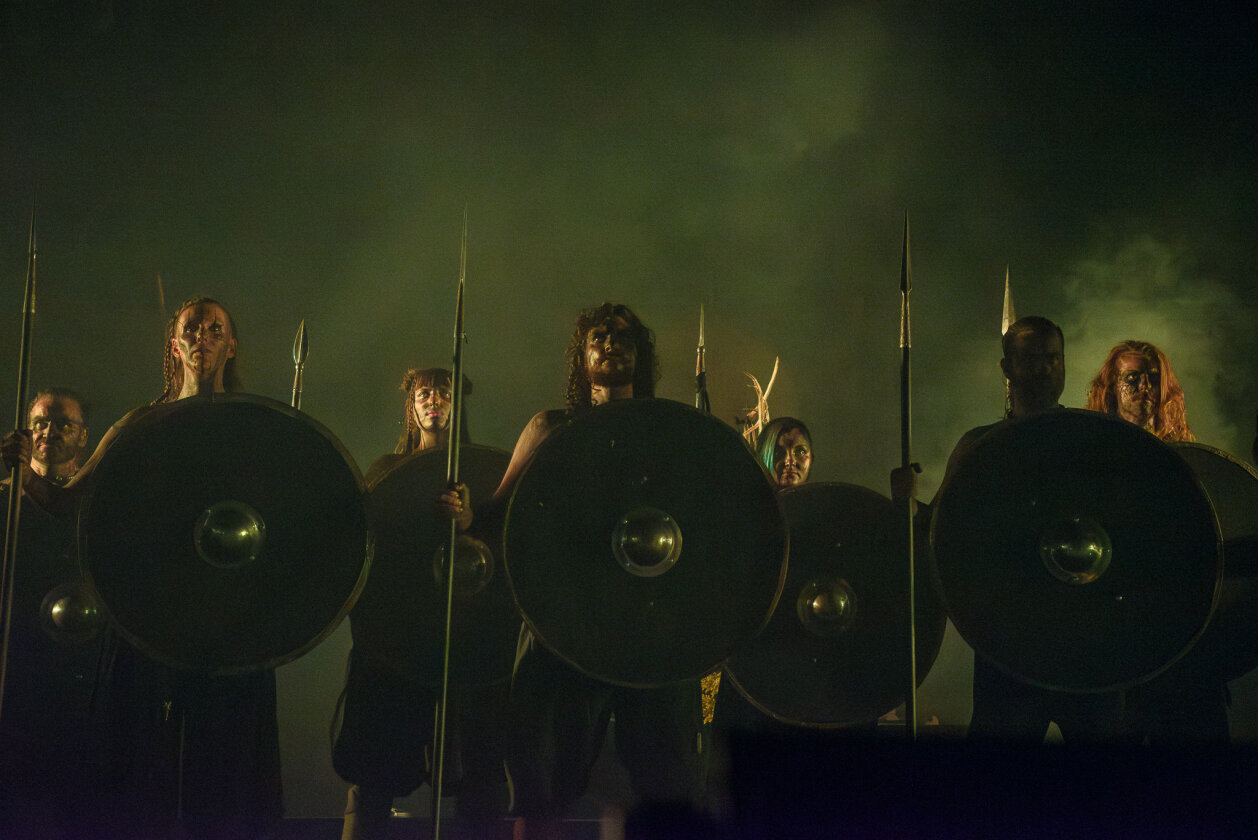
x=416, y=378
x=172, y=370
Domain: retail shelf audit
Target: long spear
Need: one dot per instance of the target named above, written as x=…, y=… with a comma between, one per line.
x=301, y=349
x=906, y=462
x=452, y=478
x=15, y=476
x=1007, y=317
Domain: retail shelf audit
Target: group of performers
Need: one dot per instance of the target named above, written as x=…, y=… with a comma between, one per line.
x=142, y=749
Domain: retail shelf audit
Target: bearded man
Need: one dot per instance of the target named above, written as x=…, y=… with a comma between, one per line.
x=558, y=717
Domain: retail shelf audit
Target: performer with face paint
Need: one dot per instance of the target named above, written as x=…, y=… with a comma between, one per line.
x=785, y=449
x=559, y=716
x=384, y=743
x=1136, y=383
x=190, y=752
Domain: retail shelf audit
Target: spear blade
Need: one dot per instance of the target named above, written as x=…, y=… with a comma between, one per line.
x=702, y=401
x=301, y=349
x=1007, y=315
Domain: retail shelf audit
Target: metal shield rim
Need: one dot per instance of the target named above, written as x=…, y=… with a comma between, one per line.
x=998, y=433
x=559, y=433
x=136, y=426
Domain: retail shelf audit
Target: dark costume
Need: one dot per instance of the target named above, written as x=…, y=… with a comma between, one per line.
x=558, y=721
x=187, y=748
x=51, y=758
x=384, y=743
x=1180, y=707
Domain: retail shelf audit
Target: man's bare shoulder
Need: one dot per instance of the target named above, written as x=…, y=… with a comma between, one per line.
x=544, y=422
x=967, y=443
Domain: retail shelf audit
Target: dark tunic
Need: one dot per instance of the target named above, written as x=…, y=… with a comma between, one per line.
x=384, y=743
x=1009, y=710
x=51, y=752
x=186, y=748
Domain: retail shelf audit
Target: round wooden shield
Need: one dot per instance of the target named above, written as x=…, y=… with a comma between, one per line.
x=836, y=651
x=645, y=543
x=400, y=618
x=225, y=534
x=1076, y=551
x=1229, y=647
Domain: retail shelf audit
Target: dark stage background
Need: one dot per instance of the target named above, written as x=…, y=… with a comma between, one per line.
x=313, y=161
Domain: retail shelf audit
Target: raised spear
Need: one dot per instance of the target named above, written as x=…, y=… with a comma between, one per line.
x=15, y=476
x=1007, y=317
x=906, y=463
x=702, y=402
x=301, y=349
x=452, y=479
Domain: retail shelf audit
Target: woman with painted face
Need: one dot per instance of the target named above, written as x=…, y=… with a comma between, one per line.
x=785, y=449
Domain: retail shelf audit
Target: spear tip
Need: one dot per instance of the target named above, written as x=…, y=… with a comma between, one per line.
x=1007, y=315
x=906, y=273
x=301, y=344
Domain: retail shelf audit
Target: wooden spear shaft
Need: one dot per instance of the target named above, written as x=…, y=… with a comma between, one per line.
x=15, y=476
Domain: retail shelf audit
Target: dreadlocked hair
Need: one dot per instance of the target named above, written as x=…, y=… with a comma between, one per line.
x=646, y=369
x=416, y=378
x=172, y=370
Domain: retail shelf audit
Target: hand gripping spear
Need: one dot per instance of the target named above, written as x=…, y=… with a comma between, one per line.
x=906, y=463
x=301, y=349
x=452, y=478
x=15, y=477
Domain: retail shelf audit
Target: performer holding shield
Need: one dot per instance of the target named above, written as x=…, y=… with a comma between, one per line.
x=559, y=715
x=1007, y=709
x=384, y=745
x=1182, y=706
x=190, y=750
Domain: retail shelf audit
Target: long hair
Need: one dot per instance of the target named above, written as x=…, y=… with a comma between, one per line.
x=416, y=378
x=646, y=371
x=1170, y=423
x=766, y=449
x=172, y=370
